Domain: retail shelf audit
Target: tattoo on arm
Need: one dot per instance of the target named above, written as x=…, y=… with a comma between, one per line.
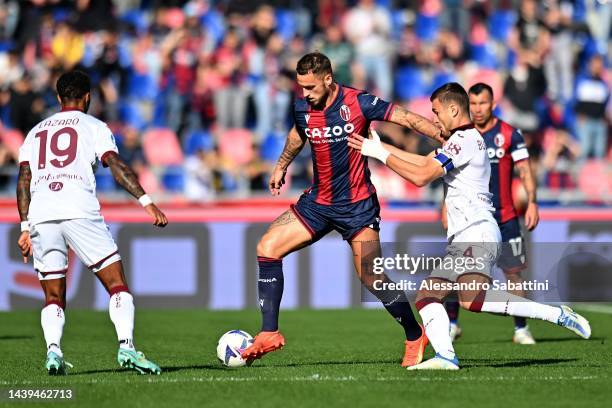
x=285, y=218
x=417, y=122
x=23, y=191
x=124, y=175
x=293, y=146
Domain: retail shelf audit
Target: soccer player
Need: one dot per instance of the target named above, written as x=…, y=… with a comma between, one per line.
x=342, y=198
x=58, y=208
x=472, y=232
x=506, y=150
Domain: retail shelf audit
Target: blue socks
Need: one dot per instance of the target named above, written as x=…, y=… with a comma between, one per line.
x=270, y=286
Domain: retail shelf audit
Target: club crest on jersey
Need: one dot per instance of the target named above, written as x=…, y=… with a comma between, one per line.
x=56, y=186
x=345, y=113
x=499, y=140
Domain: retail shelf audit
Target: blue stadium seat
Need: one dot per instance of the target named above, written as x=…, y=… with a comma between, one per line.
x=137, y=19
x=440, y=79
x=427, y=27
x=286, y=24
x=500, y=24
x=198, y=140
x=272, y=147
x=142, y=87
x=104, y=180
x=130, y=114
x=174, y=179
x=214, y=23
x=409, y=83
x=484, y=56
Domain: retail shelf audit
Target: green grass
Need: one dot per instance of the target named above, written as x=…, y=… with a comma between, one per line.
x=332, y=358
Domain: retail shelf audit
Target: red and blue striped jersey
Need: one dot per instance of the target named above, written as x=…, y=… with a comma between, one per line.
x=505, y=146
x=341, y=174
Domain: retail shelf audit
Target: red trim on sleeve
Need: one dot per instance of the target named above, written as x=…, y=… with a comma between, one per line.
x=389, y=110
x=104, y=156
x=24, y=163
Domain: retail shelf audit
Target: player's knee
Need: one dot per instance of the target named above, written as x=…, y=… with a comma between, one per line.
x=473, y=305
x=267, y=247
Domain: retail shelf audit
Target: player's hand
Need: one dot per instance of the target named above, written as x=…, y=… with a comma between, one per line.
x=532, y=216
x=158, y=216
x=369, y=147
x=25, y=245
x=277, y=180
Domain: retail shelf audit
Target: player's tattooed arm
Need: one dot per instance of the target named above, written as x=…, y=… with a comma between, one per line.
x=404, y=117
x=294, y=144
x=124, y=175
x=23, y=191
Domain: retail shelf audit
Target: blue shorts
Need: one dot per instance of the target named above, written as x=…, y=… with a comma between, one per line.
x=513, y=257
x=349, y=220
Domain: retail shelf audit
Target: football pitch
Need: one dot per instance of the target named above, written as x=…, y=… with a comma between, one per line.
x=333, y=358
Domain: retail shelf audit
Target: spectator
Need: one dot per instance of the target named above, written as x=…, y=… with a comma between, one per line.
x=67, y=46
x=340, y=53
x=592, y=96
x=530, y=37
x=368, y=27
x=558, y=63
x=523, y=90
x=130, y=149
x=26, y=106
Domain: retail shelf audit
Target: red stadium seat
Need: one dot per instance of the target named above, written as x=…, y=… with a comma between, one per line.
x=490, y=77
x=161, y=147
x=12, y=139
x=237, y=144
x=422, y=106
x=595, y=179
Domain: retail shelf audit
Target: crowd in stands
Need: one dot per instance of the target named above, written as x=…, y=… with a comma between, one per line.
x=199, y=93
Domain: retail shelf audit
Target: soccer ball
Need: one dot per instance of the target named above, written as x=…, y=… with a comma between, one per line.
x=230, y=347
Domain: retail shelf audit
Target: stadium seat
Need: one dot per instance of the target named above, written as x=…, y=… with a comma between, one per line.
x=215, y=25
x=174, y=179
x=422, y=106
x=161, y=147
x=12, y=139
x=148, y=181
x=286, y=24
x=198, y=140
x=129, y=113
x=142, y=86
x=595, y=179
x=104, y=180
x=440, y=79
x=484, y=56
x=272, y=147
x=427, y=27
x=237, y=144
x=490, y=77
x=409, y=83
x=500, y=24
x=137, y=19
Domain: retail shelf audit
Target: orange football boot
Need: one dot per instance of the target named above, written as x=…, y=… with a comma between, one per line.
x=415, y=350
x=264, y=343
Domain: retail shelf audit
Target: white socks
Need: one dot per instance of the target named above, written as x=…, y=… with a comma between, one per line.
x=52, y=321
x=506, y=303
x=121, y=310
x=437, y=328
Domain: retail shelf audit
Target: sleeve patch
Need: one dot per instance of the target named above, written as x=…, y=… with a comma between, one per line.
x=445, y=161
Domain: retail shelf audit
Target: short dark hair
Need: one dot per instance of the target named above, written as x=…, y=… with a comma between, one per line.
x=314, y=62
x=452, y=92
x=73, y=85
x=480, y=87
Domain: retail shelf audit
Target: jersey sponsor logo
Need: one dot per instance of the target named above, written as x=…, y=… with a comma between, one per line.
x=495, y=153
x=345, y=113
x=327, y=131
x=307, y=117
x=375, y=101
x=499, y=140
x=56, y=186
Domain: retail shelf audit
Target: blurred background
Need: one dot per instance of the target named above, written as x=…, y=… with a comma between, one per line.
x=199, y=93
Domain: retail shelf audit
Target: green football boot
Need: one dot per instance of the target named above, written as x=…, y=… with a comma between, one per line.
x=56, y=365
x=136, y=360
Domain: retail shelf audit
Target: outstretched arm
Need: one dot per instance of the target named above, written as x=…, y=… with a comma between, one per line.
x=126, y=178
x=404, y=117
x=527, y=178
x=420, y=174
x=407, y=156
x=23, y=206
x=294, y=144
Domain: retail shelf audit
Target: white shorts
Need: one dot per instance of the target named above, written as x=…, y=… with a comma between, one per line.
x=90, y=239
x=472, y=250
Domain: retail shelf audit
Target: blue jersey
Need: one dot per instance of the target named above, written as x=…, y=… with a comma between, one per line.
x=505, y=146
x=341, y=174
